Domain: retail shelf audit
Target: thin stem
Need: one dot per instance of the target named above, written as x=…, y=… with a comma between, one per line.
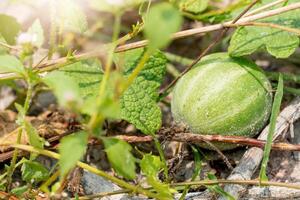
x=13, y=162
x=102, y=194
x=91, y=169
x=16, y=152
x=239, y=182
x=44, y=186
x=270, y=25
x=9, y=46
x=265, y=7
x=162, y=157
x=137, y=70
x=97, y=117
x=178, y=59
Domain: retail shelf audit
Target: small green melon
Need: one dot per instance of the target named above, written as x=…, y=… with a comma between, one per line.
x=223, y=95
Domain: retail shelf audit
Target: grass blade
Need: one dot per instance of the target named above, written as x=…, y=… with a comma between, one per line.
x=274, y=114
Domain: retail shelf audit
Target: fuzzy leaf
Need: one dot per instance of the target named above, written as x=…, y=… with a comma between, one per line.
x=71, y=149
x=278, y=43
x=120, y=157
x=34, y=172
x=138, y=104
x=9, y=28
x=87, y=77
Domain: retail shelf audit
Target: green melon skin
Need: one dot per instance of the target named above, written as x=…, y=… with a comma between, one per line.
x=223, y=95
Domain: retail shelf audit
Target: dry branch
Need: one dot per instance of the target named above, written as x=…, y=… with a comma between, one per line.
x=253, y=156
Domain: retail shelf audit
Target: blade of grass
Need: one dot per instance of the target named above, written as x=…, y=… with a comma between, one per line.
x=274, y=114
x=217, y=188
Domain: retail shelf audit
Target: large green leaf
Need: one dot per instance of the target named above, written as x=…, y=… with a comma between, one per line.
x=138, y=104
x=71, y=149
x=120, y=157
x=34, y=172
x=278, y=43
x=87, y=76
x=9, y=28
x=10, y=63
x=161, y=22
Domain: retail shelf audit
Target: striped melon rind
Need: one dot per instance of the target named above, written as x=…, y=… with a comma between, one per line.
x=223, y=95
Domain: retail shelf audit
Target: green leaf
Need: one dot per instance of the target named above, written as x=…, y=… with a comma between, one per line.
x=217, y=189
x=19, y=191
x=72, y=17
x=10, y=63
x=37, y=31
x=274, y=114
x=34, y=139
x=151, y=165
x=9, y=28
x=34, y=172
x=193, y=6
x=278, y=43
x=167, y=18
x=120, y=157
x=65, y=88
x=71, y=149
x=138, y=103
x=86, y=75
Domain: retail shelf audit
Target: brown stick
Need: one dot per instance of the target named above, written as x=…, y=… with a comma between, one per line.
x=197, y=138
